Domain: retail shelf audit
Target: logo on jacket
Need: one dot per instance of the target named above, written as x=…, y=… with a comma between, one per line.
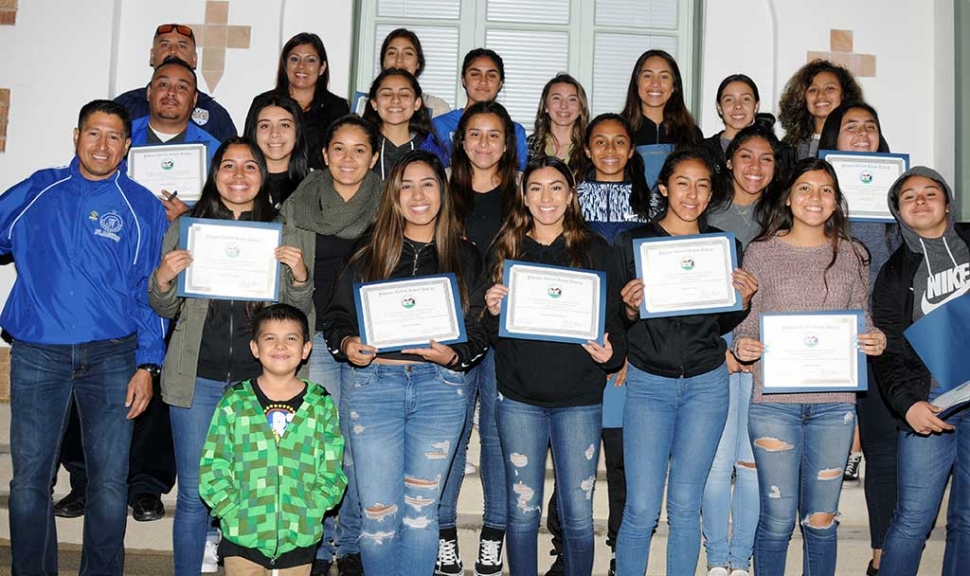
x=200, y=116
x=111, y=223
x=93, y=216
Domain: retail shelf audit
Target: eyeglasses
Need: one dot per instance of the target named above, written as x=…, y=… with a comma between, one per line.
x=178, y=28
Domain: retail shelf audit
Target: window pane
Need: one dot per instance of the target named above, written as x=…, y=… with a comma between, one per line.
x=440, y=9
x=630, y=13
x=531, y=58
x=440, y=45
x=614, y=56
x=545, y=11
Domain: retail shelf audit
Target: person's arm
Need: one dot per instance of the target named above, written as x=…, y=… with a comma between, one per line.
x=165, y=301
x=475, y=331
x=216, y=484
x=12, y=205
x=727, y=321
x=331, y=479
x=294, y=290
x=341, y=312
x=889, y=313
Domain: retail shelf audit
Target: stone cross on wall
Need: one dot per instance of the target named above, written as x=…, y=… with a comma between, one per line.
x=214, y=36
x=861, y=65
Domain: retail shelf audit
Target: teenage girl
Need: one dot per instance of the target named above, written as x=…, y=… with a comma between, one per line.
x=402, y=49
x=737, y=104
x=804, y=260
x=655, y=104
x=809, y=97
x=275, y=123
x=561, y=122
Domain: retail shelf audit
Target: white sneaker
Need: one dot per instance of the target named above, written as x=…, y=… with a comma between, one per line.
x=717, y=571
x=210, y=559
x=739, y=572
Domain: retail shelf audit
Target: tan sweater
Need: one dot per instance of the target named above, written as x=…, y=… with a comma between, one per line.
x=793, y=279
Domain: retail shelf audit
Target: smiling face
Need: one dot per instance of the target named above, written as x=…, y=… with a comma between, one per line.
x=655, y=84
x=822, y=96
x=737, y=106
x=420, y=201
x=171, y=95
x=280, y=346
x=484, y=141
x=349, y=156
x=276, y=134
x=547, y=195
x=482, y=80
x=100, y=145
x=562, y=104
x=304, y=67
x=401, y=54
x=238, y=178
x=688, y=191
x=609, y=148
x=752, y=167
x=859, y=132
x=396, y=101
x=923, y=206
x=812, y=199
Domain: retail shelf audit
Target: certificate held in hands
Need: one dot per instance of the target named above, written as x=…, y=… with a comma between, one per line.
x=171, y=167
x=812, y=352
x=231, y=260
x=865, y=179
x=687, y=274
x=553, y=303
x=397, y=314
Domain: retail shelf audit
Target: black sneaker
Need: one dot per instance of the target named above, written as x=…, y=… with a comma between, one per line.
x=350, y=565
x=558, y=567
x=851, y=473
x=449, y=559
x=490, y=553
x=320, y=567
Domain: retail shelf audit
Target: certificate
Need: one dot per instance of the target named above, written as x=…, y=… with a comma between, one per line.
x=397, y=314
x=553, y=303
x=231, y=260
x=809, y=352
x=865, y=179
x=687, y=274
x=171, y=167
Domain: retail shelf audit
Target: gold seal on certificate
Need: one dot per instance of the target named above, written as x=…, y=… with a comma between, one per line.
x=865, y=179
x=687, y=274
x=396, y=314
x=553, y=303
x=810, y=352
x=171, y=167
x=231, y=260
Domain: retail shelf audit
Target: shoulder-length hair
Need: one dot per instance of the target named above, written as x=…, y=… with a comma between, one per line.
x=833, y=125
x=461, y=164
x=633, y=172
x=379, y=256
x=793, y=113
x=298, y=167
x=678, y=123
x=420, y=122
x=410, y=37
x=519, y=222
x=543, y=130
x=763, y=129
x=210, y=204
x=282, y=82
x=744, y=79
x=699, y=154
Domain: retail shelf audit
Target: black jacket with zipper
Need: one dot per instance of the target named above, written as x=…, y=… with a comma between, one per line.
x=675, y=346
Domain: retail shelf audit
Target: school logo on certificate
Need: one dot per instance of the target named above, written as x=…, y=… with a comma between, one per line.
x=408, y=302
x=687, y=263
x=810, y=340
x=555, y=291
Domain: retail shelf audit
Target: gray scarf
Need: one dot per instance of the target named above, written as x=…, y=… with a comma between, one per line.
x=317, y=206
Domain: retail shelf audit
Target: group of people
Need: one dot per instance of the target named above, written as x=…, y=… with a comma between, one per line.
x=310, y=447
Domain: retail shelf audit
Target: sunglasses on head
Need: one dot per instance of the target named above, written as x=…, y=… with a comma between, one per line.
x=178, y=28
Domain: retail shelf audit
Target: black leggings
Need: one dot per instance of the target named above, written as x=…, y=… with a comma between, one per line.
x=877, y=430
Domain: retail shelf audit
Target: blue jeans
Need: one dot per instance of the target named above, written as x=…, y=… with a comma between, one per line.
x=340, y=537
x=526, y=432
x=925, y=463
x=800, y=450
x=43, y=378
x=481, y=378
x=190, y=426
x=734, y=459
x=405, y=422
x=675, y=421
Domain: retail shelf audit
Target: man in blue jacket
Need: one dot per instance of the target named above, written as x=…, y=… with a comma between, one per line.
x=85, y=239
x=178, y=40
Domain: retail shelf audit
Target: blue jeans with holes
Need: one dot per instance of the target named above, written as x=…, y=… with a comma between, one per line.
x=799, y=477
x=719, y=503
x=43, y=378
x=526, y=432
x=491, y=467
x=676, y=422
x=925, y=463
x=190, y=426
x=405, y=422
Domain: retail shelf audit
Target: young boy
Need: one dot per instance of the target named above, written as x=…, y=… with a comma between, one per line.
x=271, y=465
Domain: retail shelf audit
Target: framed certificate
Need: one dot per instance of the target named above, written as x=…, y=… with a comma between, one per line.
x=178, y=168
x=553, y=303
x=809, y=352
x=397, y=314
x=687, y=274
x=231, y=260
x=865, y=179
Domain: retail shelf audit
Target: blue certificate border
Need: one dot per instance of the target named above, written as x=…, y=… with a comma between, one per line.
x=503, y=315
x=452, y=281
x=824, y=154
x=185, y=223
x=644, y=313
x=863, y=373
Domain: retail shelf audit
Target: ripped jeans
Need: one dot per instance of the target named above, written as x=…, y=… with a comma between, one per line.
x=526, y=431
x=800, y=450
x=404, y=424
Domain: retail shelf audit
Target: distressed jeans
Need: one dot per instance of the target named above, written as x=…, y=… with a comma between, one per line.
x=800, y=450
x=404, y=424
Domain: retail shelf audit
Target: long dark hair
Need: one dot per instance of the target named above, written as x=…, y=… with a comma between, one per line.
x=412, y=38
x=461, y=165
x=210, y=203
x=282, y=82
x=793, y=113
x=762, y=129
x=678, y=123
x=633, y=172
x=519, y=223
x=298, y=167
x=833, y=125
x=675, y=158
x=420, y=123
x=543, y=130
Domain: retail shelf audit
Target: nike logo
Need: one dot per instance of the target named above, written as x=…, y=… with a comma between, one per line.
x=928, y=306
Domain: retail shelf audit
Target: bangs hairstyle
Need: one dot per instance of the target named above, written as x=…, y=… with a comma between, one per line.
x=678, y=123
x=675, y=158
x=633, y=172
x=420, y=122
x=543, y=125
x=280, y=313
x=744, y=79
x=109, y=107
x=761, y=129
x=793, y=113
x=298, y=167
x=461, y=164
x=381, y=253
x=410, y=37
x=282, y=82
x=833, y=126
x=519, y=222
x=210, y=203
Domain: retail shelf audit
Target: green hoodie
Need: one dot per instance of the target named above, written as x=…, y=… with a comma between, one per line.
x=267, y=497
